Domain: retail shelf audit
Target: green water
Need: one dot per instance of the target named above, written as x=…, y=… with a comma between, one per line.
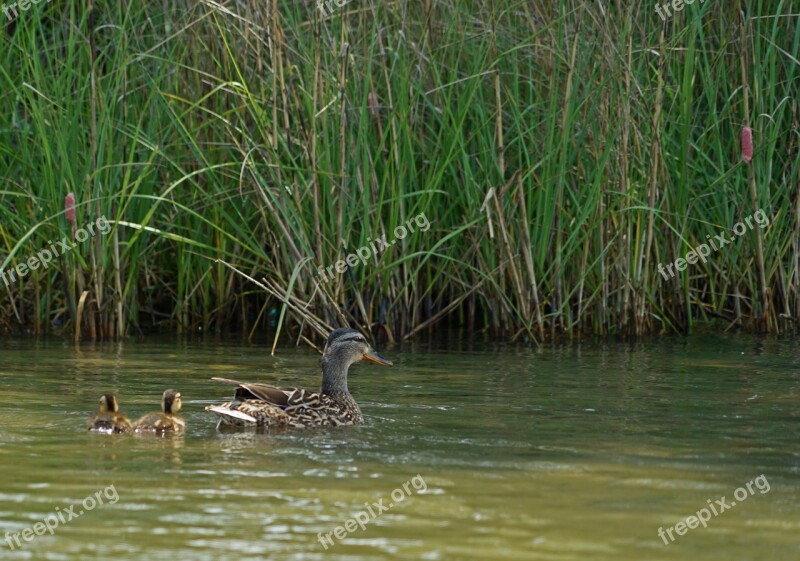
x=580, y=453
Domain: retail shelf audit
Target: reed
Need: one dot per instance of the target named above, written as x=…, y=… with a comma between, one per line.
x=561, y=151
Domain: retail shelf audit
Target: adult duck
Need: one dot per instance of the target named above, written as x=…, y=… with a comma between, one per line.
x=262, y=405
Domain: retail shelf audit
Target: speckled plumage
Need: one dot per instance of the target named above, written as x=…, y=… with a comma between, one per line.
x=268, y=406
x=307, y=409
x=165, y=421
x=109, y=420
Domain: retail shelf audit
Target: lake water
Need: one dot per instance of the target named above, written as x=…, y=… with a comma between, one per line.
x=576, y=453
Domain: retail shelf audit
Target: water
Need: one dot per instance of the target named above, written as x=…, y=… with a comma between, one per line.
x=570, y=454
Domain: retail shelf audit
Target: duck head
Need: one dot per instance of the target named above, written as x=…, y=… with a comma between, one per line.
x=108, y=403
x=345, y=347
x=171, y=402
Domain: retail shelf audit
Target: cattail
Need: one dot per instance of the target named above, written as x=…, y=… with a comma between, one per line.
x=372, y=102
x=747, y=144
x=69, y=207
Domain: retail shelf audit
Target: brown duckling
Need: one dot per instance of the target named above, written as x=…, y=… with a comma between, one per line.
x=109, y=420
x=165, y=421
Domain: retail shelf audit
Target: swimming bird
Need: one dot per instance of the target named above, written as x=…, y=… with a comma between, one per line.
x=165, y=421
x=268, y=406
x=109, y=420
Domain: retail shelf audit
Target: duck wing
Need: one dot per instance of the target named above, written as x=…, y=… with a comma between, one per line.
x=280, y=397
x=270, y=406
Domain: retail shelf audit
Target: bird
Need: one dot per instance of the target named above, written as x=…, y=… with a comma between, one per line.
x=109, y=420
x=266, y=406
x=165, y=421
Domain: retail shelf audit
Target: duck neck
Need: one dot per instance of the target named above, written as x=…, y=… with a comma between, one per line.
x=334, y=378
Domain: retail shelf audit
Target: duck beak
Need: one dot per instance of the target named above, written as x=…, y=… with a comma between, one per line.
x=370, y=356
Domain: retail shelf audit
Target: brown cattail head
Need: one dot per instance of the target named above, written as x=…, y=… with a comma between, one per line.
x=69, y=207
x=747, y=144
x=372, y=102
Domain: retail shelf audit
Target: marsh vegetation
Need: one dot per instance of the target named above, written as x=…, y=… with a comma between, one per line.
x=561, y=151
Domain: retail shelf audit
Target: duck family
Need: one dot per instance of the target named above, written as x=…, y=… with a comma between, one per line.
x=262, y=405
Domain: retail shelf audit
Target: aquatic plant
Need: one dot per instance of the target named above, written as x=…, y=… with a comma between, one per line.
x=561, y=150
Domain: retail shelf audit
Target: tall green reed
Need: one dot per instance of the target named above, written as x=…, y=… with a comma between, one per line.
x=560, y=150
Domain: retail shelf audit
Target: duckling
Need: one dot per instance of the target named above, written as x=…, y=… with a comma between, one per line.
x=267, y=406
x=109, y=420
x=167, y=420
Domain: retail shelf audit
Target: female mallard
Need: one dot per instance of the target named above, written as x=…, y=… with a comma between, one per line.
x=167, y=420
x=109, y=420
x=267, y=406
